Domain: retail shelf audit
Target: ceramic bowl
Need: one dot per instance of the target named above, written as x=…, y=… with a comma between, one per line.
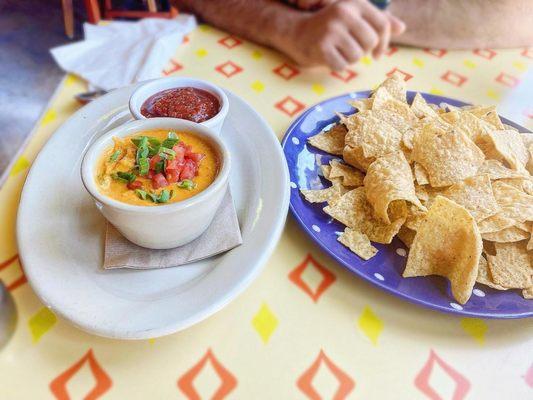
x=163, y=226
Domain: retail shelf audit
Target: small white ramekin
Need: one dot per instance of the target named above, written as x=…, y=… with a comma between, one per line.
x=143, y=92
x=164, y=226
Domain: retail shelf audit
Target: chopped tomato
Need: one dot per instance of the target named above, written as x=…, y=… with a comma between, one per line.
x=159, y=181
x=189, y=170
x=173, y=176
x=180, y=152
x=154, y=160
x=135, y=185
x=196, y=157
x=150, y=174
x=175, y=164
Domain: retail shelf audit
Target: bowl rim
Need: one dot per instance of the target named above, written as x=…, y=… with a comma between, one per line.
x=145, y=90
x=87, y=169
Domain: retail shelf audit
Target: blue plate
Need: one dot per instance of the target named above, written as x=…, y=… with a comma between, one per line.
x=385, y=269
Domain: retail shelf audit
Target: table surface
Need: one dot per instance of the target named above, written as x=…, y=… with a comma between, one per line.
x=346, y=340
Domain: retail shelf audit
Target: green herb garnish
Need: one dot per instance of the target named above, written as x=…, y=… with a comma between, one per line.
x=137, y=140
x=164, y=196
x=187, y=184
x=171, y=140
x=141, y=193
x=172, y=135
x=127, y=177
x=167, y=153
x=153, y=150
x=160, y=167
x=152, y=196
x=144, y=166
x=154, y=142
x=115, y=155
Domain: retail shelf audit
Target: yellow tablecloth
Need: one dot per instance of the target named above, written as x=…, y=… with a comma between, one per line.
x=281, y=339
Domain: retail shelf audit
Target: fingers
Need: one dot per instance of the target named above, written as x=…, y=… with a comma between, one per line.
x=381, y=25
x=397, y=25
x=335, y=59
x=350, y=48
x=365, y=35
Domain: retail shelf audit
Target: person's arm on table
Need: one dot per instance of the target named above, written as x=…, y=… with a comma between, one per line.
x=465, y=24
x=336, y=35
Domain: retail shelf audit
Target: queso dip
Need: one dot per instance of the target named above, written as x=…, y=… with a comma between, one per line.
x=156, y=167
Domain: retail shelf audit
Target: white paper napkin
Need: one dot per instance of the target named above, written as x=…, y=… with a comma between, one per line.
x=123, y=52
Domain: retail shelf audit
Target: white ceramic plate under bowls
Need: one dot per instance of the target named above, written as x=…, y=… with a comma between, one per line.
x=60, y=232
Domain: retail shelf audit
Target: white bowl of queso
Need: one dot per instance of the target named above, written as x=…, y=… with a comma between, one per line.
x=159, y=181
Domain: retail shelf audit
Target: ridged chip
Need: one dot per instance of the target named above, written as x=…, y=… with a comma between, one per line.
x=484, y=277
x=358, y=243
x=421, y=109
x=448, y=244
x=331, y=141
x=507, y=146
x=350, y=177
x=507, y=235
x=354, y=156
x=511, y=266
x=389, y=178
x=447, y=156
x=496, y=170
x=514, y=203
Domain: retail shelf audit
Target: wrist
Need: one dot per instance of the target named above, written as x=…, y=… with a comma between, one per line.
x=283, y=28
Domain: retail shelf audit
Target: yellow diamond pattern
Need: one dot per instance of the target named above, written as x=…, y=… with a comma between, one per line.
x=265, y=322
x=493, y=94
x=366, y=60
x=256, y=55
x=201, y=53
x=469, y=64
x=48, y=117
x=258, y=86
x=40, y=323
x=318, y=88
x=418, y=62
x=476, y=328
x=370, y=324
x=436, y=91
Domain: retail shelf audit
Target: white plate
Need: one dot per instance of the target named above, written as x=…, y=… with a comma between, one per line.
x=60, y=232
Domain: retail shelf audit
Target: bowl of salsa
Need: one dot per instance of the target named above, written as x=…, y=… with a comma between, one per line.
x=159, y=181
x=181, y=98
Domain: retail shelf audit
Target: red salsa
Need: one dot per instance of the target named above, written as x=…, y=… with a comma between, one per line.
x=189, y=103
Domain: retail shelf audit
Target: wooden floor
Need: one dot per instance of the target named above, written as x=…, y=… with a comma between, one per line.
x=28, y=74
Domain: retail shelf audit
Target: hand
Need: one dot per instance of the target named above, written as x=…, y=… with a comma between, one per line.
x=309, y=4
x=340, y=33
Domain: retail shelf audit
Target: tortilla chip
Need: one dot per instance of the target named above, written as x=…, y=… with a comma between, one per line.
x=507, y=235
x=456, y=257
x=447, y=156
x=421, y=109
x=524, y=184
x=495, y=223
x=395, y=86
x=487, y=114
x=397, y=114
x=354, y=211
x=330, y=194
x=514, y=203
x=528, y=293
x=415, y=217
x=350, y=176
x=358, y=243
x=420, y=174
x=378, y=137
x=361, y=104
x=475, y=194
x=407, y=236
x=496, y=170
x=484, y=277
x=354, y=156
x=421, y=193
x=511, y=266
x=389, y=178
x=326, y=170
x=331, y=141
x=475, y=128
x=506, y=145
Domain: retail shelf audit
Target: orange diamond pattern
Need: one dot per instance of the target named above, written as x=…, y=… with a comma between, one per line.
x=328, y=278
x=286, y=71
x=21, y=280
x=454, y=78
x=305, y=381
x=439, y=53
x=289, y=106
x=228, y=382
x=489, y=54
x=406, y=76
x=175, y=66
x=228, y=69
x=345, y=75
x=103, y=382
x=507, y=80
x=422, y=380
x=230, y=41
x=391, y=50
x=527, y=53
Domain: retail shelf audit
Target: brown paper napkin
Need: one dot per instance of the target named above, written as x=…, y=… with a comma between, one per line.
x=222, y=235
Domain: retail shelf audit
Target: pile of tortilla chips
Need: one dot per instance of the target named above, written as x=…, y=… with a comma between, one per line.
x=454, y=184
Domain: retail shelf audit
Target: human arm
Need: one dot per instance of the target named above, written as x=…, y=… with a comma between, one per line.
x=336, y=35
x=465, y=24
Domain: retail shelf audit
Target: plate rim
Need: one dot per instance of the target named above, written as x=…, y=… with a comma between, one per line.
x=248, y=276
x=390, y=291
